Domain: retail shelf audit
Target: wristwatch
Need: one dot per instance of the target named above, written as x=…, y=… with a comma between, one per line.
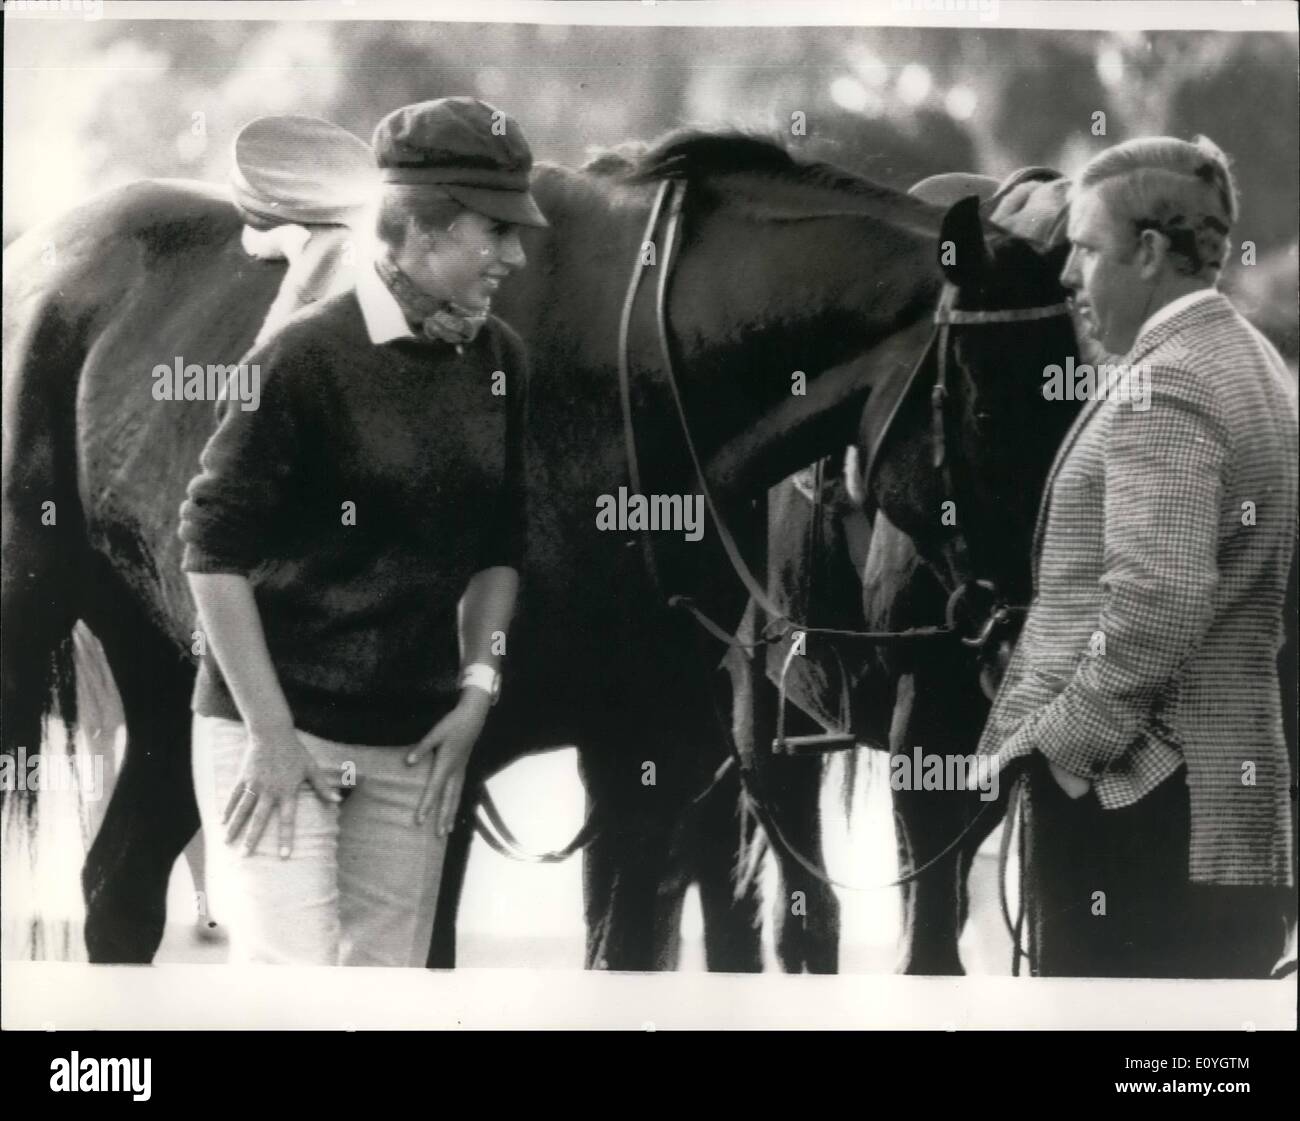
x=482, y=676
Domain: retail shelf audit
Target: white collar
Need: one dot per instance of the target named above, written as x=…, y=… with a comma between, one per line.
x=380, y=309
x=1173, y=307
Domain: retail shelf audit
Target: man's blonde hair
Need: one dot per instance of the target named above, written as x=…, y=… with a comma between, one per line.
x=1182, y=188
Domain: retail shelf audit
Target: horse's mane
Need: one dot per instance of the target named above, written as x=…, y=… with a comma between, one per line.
x=690, y=153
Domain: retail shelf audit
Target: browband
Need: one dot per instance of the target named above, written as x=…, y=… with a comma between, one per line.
x=956, y=316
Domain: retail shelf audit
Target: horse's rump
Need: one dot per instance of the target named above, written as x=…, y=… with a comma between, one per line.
x=158, y=263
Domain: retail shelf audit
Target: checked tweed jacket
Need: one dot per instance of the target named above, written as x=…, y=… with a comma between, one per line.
x=1140, y=543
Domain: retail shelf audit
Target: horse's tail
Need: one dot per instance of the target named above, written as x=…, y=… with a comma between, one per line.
x=44, y=539
x=82, y=713
x=43, y=912
x=749, y=855
x=51, y=792
x=96, y=707
x=19, y=779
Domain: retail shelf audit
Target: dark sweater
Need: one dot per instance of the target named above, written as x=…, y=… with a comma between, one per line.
x=360, y=619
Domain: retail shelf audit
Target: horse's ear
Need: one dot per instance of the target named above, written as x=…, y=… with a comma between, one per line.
x=963, y=254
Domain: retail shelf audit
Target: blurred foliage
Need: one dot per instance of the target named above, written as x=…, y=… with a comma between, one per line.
x=92, y=105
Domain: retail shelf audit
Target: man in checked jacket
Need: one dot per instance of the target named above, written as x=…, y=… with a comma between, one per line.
x=1141, y=706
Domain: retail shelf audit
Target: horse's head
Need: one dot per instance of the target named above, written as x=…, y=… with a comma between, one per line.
x=961, y=469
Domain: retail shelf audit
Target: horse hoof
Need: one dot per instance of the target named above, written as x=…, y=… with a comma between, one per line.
x=210, y=931
x=916, y=967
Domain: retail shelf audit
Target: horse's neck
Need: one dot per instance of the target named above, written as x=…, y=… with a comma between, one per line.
x=750, y=304
x=820, y=289
x=785, y=369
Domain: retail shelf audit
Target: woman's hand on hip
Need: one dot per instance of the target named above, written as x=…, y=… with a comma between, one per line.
x=452, y=738
x=275, y=767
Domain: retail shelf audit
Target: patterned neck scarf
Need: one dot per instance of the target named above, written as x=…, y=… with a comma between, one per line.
x=439, y=320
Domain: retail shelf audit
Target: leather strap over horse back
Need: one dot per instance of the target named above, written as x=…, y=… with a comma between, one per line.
x=673, y=191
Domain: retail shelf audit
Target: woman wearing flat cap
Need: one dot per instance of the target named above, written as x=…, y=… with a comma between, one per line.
x=354, y=546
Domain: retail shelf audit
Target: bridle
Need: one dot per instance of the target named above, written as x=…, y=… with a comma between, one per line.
x=673, y=193
x=956, y=547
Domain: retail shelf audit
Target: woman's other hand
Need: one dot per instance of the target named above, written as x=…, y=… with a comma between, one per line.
x=275, y=767
x=453, y=738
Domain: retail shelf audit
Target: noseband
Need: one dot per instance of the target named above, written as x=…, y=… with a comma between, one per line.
x=956, y=548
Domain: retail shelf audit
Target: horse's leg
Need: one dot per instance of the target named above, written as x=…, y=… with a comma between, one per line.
x=940, y=709
x=205, y=924
x=732, y=920
x=489, y=754
x=970, y=846
x=676, y=875
x=634, y=873
x=634, y=883
x=628, y=925
x=598, y=867
x=152, y=814
x=806, y=913
x=598, y=860
x=442, y=946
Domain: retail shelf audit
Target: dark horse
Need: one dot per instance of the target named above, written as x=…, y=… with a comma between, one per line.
x=783, y=266
x=1004, y=436
x=880, y=555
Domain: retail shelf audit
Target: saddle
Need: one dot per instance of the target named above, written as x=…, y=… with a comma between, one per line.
x=301, y=170
x=303, y=187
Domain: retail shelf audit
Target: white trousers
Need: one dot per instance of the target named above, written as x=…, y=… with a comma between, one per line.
x=361, y=885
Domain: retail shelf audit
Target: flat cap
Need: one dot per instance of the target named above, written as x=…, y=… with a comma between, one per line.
x=468, y=148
